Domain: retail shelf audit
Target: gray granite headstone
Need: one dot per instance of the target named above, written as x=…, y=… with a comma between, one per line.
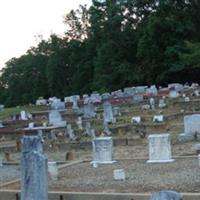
x=166, y=195
x=102, y=150
x=108, y=112
x=88, y=109
x=34, y=173
x=55, y=118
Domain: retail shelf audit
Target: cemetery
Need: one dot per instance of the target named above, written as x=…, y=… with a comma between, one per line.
x=137, y=143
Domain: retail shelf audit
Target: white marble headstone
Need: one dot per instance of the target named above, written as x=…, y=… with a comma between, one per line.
x=159, y=148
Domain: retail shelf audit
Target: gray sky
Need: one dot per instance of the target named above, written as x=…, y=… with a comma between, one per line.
x=22, y=20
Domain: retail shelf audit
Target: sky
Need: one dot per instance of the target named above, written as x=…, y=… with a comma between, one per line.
x=21, y=21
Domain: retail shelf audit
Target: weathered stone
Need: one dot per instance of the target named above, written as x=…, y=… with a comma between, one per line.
x=23, y=115
x=119, y=174
x=136, y=119
x=102, y=150
x=108, y=112
x=57, y=104
x=159, y=148
x=53, y=170
x=55, y=119
x=34, y=181
x=158, y=118
x=166, y=195
x=88, y=109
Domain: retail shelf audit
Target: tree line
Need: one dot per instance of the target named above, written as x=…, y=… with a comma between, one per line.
x=110, y=45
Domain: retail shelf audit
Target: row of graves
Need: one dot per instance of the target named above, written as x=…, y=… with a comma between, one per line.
x=126, y=137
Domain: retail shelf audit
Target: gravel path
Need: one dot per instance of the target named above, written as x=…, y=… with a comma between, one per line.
x=182, y=175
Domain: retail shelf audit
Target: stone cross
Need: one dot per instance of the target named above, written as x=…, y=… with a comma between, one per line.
x=102, y=150
x=34, y=175
x=159, y=148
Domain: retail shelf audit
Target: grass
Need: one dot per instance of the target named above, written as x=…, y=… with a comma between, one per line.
x=16, y=110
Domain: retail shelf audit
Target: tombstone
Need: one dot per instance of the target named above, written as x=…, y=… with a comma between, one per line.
x=31, y=125
x=146, y=107
x=119, y=174
x=159, y=148
x=57, y=104
x=70, y=131
x=53, y=170
x=191, y=128
x=34, y=176
x=106, y=128
x=105, y=96
x=2, y=107
x=55, y=119
x=23, y=115
x=95, y=97
x=75, y=102
x=79, y=123
x=176, y=86
x=116, y=111
x=162, y=103
x=166, y=195
x=108, y=112
x=173, y=94
x=138, y=98
x=158, y=118
x=41, y=102
x=118, y=94
x=1, y=124
x=141, y=89
x=187, y=99
x=88, y=109
x=199, y=160
x=1, y=161
x=129, y=91
x=88, y=129
x=152, y=103
x=102, y=150
x=196, y=93
x=136, y=119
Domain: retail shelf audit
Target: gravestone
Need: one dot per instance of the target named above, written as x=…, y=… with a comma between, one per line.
x=88, y=129
x=41, y=102
x=136, y=119
x=191, y=128
x=166, y=195
x=159, y=148
x=53, y=170
x=152, y=103
x=23, y=115
x=162, y=103
x=102, y=150
x=158, y=118
x=31, y=125
x=34, y=176
x=57, y=104
x=1, y=161
x=55, y=119
x=88, y=109
x=2, y=107
x=173, y=94
x=79, y=123
x=119, y=174
x=70, y=131
x=108, y=112
x=75, y=102
x=116, y=111
x=106, y=128
x=1, y=124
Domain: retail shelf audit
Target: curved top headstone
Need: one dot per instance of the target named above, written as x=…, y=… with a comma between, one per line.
x=166, y=195
x=32, y=143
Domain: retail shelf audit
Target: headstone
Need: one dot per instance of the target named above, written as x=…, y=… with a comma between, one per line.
x=34, y=176
x=106, y=128
x=152, y=103
x=79, y=123
x=88, y=109
x=116, y=111
x=166, y=195
x=88, y=129
x=162, y=103
x=57, y=104
x=173, y=94
x=102, y=150
x=108, y=112
x=119, y=174
x=31, y=125
x=41, y=102
x=55, y=119
x=159, y=148
x=176, y=86
x=129, y=91
x=53, y=170
x=187, y=99
x=70, y=131
x=136, y=119
x=138, y=98
x=191, y=128
x=2, y=107
x=146, y=107
x=95, y=97
x=199, y=160
x=1, y=124
x=1, y=161
x=141, y=89
x=75, y=102
x=158, y=118
x=23, y=115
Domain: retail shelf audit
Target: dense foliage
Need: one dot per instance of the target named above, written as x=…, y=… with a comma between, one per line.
x=110, y=45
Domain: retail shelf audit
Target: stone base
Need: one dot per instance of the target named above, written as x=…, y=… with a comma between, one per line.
x=160, y=161
x=103, y=162
x=184, y=137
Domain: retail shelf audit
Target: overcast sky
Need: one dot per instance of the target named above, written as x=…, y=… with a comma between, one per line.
x=22, y=20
